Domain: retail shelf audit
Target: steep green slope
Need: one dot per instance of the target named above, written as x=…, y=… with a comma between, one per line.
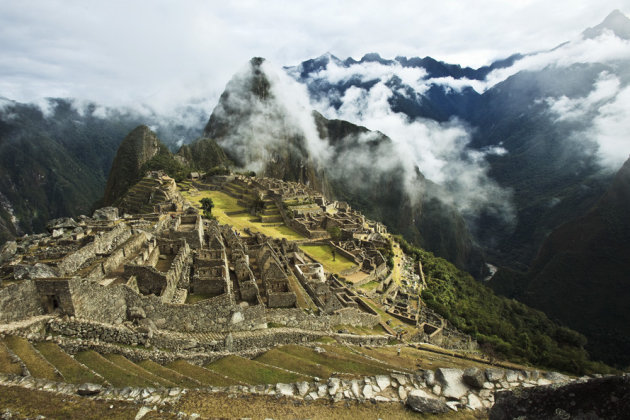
x=554, y=176
x=51, y=167
x=502, y=326
x=582, y=274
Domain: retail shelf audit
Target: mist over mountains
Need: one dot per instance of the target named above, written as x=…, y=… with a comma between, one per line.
x=520, y=145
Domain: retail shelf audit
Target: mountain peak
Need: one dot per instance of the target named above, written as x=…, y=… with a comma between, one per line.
x=376, y=58
x=135, y=150
x=616, y=22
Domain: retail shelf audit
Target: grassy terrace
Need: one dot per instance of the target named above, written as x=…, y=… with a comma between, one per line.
x=36, y=364
x=323, y=254
x=124, y=363
x=6, y=364
x=224, y=204
x=303, y=299
x=280, y=358
x=200, y=374
x=336, y=359
x=117, y=376
x=252, y=372
x=169, y=374
x=72, y=371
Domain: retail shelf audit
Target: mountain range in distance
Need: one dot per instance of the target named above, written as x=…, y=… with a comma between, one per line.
x=513, y=163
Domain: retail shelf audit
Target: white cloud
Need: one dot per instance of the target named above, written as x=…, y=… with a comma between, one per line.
x=606, y=48
x=567, y=109
x=605, y=112
x=610, y=129
x=438, y=150
x=164, y=52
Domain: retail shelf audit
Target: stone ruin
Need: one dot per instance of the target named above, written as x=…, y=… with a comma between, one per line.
x=182, y=272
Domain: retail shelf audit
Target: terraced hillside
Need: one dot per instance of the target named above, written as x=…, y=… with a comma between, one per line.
x=329, y=378
x=289, y=363
x=232, y=207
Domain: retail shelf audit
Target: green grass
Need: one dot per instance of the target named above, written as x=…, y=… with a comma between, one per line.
x=114, y=374
x=323, y=254
x=279, y=358
x=36, y=364
x=338, y=362
x=370, y=286
x=198, y=373
x=224, y=204
x=193, y=298
x=412, y=359
x=169, y=374
x=252, y=372
x=72, y=371
x=303, y=299
x=129, y=366
x=6, y=364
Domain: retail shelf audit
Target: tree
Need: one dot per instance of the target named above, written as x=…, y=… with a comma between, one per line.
x=207, y=205
x=335, y=233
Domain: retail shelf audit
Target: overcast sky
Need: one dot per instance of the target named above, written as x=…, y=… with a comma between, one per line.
x=163, y=52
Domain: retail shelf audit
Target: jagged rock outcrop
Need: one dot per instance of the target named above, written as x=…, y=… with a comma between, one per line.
x=135, y=150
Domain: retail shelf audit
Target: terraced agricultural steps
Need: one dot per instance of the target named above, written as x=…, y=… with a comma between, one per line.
x=326, y=371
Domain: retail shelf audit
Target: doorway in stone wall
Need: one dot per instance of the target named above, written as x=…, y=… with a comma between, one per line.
x=50, y=303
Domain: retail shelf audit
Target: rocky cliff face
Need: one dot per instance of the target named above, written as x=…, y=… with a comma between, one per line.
x=203, y=154
x=140, y=146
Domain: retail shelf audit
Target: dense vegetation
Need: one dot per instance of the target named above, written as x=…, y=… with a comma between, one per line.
x=165, y=161
x=581, y=274
x=503, y=327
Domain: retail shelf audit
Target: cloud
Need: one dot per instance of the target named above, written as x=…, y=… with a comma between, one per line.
x=437, y=149
x=610, y=130
x=160, y=53
x=267, y=112
x=607, y=48
x=603, y=116
x=571, y=109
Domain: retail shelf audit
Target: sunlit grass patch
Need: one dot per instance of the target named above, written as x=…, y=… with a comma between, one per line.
x=323, y=254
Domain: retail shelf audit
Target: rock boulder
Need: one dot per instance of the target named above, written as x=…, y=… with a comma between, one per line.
x=452, y=382
x=421, y=402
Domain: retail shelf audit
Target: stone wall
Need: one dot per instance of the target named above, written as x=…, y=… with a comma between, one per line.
x=104, y=304
x=55, y=293
x=211, y=315
x=562, y=397
x=281, y=299
x=297, y=318
x=102, y=243
x=19, y=301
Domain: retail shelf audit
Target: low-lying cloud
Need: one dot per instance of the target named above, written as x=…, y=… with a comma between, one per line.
x=438, y=150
